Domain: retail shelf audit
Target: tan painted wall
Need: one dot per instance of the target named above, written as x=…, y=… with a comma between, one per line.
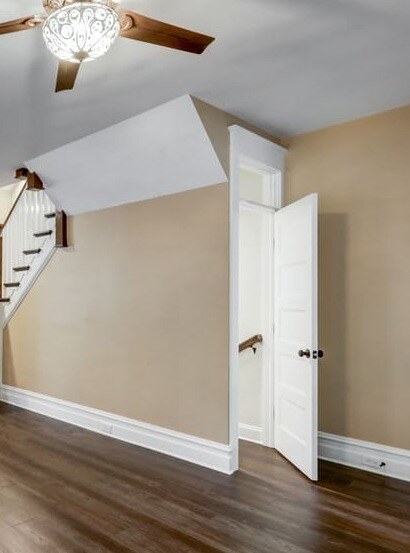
x=134, y=319
x=361, y=171
x=8, y=195
x=217, y=123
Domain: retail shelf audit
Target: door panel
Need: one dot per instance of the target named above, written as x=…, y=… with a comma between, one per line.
x=295, y=301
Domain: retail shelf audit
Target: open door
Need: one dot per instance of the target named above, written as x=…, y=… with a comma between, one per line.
x=295, y=339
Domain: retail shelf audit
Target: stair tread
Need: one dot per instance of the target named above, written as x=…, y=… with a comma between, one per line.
x=22, y=268
x=11, y=284
x=49, y=215
x=32, y=252
x=4, y=300
x=43, y=233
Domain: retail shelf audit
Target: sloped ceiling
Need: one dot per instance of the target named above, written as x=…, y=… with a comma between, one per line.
x=287, y=66
x=163, y=151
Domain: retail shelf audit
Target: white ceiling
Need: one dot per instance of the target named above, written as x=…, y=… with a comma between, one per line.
x=288, y=66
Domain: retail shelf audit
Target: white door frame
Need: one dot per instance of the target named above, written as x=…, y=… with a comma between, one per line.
x=251, y=150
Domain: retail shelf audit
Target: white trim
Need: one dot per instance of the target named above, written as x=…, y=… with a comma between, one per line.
x=268, y=425
x=250, y=149
x=250, y=433
x=256, y=151
x=234, y=294
x=255, y=206
x=202, y=452
x=365, y=455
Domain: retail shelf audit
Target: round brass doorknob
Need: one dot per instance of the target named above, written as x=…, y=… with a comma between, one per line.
x=304, y=353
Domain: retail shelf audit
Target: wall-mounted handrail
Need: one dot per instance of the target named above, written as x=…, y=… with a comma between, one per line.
x=251, y=342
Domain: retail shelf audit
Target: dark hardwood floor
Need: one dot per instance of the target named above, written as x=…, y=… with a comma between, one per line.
x=63, y=489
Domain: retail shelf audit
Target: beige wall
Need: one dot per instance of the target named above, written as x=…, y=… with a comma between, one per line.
x=8, y=195
x=217, y=123
x=361, y=171
x=134, y=318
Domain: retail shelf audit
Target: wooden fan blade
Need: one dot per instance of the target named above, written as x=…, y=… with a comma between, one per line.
x=66, y=76
x=139, y=27
x=22, y=24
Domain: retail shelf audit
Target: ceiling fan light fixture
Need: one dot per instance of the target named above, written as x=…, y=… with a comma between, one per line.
x=81, y=31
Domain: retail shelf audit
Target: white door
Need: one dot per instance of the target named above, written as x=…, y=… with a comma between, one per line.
x=295, y=341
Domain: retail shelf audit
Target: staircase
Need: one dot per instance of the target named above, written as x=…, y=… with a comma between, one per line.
x=32, y=232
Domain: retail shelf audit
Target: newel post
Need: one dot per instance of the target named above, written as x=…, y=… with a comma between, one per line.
x=61, y=230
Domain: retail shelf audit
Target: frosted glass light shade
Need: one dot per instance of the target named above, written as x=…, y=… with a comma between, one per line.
x=81, y=31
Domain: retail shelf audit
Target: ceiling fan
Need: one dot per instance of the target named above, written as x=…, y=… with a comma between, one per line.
x=76, y=32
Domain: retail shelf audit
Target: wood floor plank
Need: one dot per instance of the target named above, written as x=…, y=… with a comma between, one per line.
x=66, y=490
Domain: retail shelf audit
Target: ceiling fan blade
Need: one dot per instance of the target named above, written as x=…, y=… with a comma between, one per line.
x=139, y=27
x=22, y=24
x=66, y=76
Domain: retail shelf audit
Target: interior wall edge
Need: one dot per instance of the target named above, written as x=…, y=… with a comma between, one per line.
x=217, y=122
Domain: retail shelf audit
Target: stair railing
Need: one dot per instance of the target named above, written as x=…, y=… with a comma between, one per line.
x=30, y=235
x=251, y=343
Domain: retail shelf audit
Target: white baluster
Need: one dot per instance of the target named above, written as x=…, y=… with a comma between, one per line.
x=27, y=218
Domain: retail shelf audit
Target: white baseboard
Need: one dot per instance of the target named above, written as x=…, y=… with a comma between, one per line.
x=250, y=433
x=380, y=459
x=202, y=452
x=337, y=449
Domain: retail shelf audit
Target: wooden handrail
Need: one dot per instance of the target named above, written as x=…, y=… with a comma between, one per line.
x=250, y=342
x=13, y=206
x=32, y=182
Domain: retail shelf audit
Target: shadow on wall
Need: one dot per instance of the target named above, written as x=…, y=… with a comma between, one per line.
x=332, y=323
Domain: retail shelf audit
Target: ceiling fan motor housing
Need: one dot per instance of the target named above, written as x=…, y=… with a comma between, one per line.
x=81, y=31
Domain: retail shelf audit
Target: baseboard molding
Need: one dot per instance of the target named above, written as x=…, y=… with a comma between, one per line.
x=250, y=433
x=202, y=452
x=337, y=449
x=380, y=459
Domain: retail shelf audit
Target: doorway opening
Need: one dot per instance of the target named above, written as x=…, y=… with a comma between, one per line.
x=273, y=307
x=255, y=306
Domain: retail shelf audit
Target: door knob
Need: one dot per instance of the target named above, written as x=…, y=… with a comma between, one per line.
x=318, y=354
x=304, y=353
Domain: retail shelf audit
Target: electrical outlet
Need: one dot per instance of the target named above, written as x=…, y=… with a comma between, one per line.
x=376, y=463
